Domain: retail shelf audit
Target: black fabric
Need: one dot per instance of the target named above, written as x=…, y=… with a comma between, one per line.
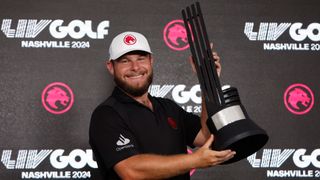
x=166, y=130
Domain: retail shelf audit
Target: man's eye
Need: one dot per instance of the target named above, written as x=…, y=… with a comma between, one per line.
x=124, y=61
x=142, y=58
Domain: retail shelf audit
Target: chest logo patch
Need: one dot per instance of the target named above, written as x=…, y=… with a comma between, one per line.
x=122, y=141
x=172, y=122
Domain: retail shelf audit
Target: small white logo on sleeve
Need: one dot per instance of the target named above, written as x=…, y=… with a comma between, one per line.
x=122, y=141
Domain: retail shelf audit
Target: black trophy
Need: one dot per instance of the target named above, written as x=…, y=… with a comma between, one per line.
x=228, y=119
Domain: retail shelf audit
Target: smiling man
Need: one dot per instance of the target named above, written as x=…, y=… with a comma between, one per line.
x=137, y=136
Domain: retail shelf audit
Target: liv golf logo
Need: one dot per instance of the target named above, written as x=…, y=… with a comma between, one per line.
x=189, y=98
x=27, y=29
x=304, y=163
x=301, y=35
x=64, y=164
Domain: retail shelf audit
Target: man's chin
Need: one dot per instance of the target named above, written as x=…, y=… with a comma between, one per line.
x=137, y=89
x=138, y=93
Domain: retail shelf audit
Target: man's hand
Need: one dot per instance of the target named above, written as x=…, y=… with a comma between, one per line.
x=208, y=157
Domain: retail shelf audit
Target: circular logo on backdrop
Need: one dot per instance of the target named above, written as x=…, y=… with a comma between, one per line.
x=129, y=39
x=57, y=98
x=175, y=35
x=298, y=99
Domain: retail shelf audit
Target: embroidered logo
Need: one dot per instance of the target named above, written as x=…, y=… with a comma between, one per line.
x=123, y=141
x=129, y=39
x=172, y=122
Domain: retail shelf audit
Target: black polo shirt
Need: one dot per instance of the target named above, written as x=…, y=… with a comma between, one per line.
x=122, y=127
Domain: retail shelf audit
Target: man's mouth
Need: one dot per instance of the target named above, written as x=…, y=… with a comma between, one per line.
x=135, y=76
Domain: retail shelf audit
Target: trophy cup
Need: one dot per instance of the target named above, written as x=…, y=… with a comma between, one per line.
x=227, y=117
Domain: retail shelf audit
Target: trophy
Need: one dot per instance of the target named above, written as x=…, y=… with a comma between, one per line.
x=227, y=117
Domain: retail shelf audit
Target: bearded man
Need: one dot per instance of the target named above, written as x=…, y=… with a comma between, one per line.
x=136, y=136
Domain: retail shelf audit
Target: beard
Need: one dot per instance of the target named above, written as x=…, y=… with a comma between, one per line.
x=131, y=90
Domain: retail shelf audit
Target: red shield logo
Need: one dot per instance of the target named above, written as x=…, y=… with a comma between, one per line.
x=172, y=122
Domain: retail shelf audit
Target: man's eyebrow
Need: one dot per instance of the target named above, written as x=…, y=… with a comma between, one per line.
x=121, y=58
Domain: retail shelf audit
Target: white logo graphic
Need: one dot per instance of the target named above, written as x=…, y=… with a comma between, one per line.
x=180, y=94
x=269, y=32
x=76, y=29
x=28, y=161
x=31, y=159
x=28, y=30
x=273, y=160
x=272, y=31
x=123, y=141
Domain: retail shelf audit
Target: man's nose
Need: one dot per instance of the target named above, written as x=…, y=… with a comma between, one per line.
x=135, y=65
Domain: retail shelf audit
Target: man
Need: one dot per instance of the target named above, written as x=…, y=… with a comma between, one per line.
x=137, y=136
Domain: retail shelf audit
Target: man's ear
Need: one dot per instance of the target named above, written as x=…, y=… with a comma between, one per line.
x=109, y=66
x=151, y=59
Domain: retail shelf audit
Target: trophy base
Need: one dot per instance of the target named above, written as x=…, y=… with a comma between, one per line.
x=233, y=129
x=243, y=136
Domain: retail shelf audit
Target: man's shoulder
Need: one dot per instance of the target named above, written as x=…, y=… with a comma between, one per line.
x=110, y=107
x=105, y=106
x=110, y=101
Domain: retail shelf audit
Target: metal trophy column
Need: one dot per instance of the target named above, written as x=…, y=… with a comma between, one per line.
x=228, y=119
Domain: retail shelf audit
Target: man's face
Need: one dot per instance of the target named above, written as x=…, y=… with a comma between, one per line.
x=133, y=72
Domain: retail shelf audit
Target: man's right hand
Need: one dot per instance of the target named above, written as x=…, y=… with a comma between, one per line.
x=208, y=157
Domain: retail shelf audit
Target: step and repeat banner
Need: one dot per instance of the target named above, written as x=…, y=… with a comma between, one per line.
x=52, y=69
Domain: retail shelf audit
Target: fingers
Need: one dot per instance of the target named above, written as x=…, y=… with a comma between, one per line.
x=191, y=61
x=220, y=156
x=217, y=157
x=214, y=53
x=223, y=156
x=206, y=157
x=216, y=57
x=209, y=141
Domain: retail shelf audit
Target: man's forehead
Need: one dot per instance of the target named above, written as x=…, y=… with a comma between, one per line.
x=133, y=54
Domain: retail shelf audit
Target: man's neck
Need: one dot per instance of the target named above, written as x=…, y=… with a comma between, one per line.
x=143, y=99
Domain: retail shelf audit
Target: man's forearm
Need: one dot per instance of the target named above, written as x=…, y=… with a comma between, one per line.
x=149, y=166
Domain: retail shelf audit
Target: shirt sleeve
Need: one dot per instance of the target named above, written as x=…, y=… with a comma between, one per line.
x=110, y=138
